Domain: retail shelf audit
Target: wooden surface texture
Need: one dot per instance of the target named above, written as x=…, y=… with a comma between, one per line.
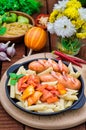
x=6, y=121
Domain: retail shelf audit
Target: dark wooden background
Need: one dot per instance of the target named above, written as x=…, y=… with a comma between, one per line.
x=6, y=121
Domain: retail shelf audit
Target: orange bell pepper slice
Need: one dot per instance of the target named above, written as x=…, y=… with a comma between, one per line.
x=28, y=92
x=34, y=98
x=62, y=90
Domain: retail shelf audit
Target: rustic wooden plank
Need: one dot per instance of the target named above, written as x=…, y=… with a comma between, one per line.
x=80, y=127
x=52, y=38
x=50, y=4
x=7, y=122
x=0, y=68
x=82, y=53
x=30, y=128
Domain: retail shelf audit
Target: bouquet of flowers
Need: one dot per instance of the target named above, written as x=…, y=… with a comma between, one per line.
x=68, y=22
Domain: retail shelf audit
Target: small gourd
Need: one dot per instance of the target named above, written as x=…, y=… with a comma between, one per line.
x=35, y=38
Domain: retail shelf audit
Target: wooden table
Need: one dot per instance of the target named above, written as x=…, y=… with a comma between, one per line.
x=6, y=121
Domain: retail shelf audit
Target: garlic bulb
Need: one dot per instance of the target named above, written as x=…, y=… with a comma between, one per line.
x=11, y=50
x=3, y=56
x=3, y=46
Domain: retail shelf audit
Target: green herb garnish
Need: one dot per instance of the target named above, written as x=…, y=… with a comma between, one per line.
x=3, y=30
x=14, y=78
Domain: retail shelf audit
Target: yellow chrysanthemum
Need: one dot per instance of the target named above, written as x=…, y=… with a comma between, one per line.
x=59, y=16
x=53, y=16
x=78, y=23
x=73, y=3
x=81, y=35
x=84, y=26
x=71, y=12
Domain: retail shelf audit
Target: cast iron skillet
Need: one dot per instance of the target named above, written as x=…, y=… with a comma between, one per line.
x=76, y=105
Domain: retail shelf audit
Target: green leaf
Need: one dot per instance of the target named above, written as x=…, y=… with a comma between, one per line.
x=2, y=30
x=13, y=75
x=19, y=76
x=13, y=81
x=71, y=45
x=14, y=78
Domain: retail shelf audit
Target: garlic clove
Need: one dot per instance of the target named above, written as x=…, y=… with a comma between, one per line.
x=3, y=57
x=11, y=50
x=3, y=46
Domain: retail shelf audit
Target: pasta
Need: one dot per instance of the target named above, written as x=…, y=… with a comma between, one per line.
x=72, y=73
x=16, y=28
x=46, y=71
x=65, y=100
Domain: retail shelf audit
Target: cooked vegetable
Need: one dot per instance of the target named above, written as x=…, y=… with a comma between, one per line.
x=28, y=92
x=35, y=38
x=36, y=95
x=34, y=98
x=61, y=88
x=52, y=99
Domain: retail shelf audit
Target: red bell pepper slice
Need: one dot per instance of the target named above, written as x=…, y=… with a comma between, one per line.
x=41, y=20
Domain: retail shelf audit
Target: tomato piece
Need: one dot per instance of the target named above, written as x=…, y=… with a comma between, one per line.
x=55, y=92
x=52, y=99
x=22, y=81
x=41, y=20
x=41, y=87
x=46, y=95
x=50, y=88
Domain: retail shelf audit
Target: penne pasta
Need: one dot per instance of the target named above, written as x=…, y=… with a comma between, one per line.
x=46, y=71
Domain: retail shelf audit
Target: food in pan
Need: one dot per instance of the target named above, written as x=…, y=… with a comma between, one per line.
x=45, y=86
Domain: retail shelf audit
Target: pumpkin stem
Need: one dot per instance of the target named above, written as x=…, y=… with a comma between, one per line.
x=30, y=52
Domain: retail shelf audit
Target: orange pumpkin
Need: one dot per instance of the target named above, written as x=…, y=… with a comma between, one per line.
x=35, y=38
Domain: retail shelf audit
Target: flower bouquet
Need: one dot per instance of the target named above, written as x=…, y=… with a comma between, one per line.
x=68, y=22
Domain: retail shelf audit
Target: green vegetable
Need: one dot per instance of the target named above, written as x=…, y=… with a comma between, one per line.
x=0, y=20
x=30, y=6
x=27, y=6
x=71, y=45
x=14, y=78
x=2, y=30
x=22, y=19
x=9, y=17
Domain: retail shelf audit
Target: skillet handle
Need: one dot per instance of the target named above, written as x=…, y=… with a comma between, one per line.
x=12, y=68
x=80, y=104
